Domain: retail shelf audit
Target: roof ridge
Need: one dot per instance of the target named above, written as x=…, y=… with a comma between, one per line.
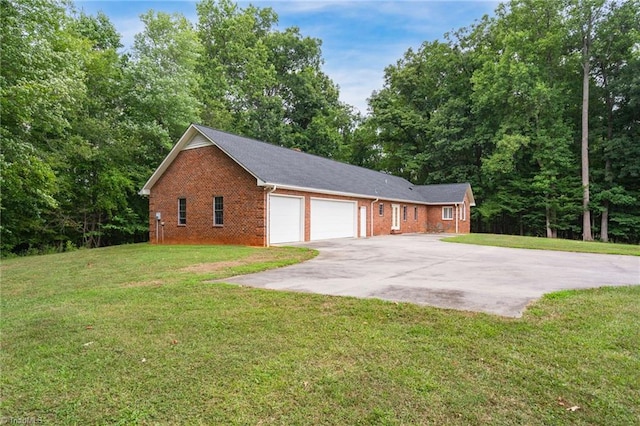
x=302, y=152
x=444, y=184
x=279, y=165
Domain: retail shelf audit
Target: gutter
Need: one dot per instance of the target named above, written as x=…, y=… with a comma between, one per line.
x=342, y=194
x=371, y=212
x=266, y=216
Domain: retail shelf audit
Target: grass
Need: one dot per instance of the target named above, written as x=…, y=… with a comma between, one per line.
x=537, y=243
x=132, y=335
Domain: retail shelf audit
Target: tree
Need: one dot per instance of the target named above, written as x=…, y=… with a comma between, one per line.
x=98, y=30
x=268, y=84
x=41, y=83
x=423, y=117
x=614, y=41
x=162, y=78
x=586, y=15
x=234, y=67
x=95, y=161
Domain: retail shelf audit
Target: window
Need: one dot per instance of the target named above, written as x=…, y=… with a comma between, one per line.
x=415, y=213
x=463, y=213
x=218, y=215
x=381, y=209
x=447, y=213
x=182, y=211
x=404, y=213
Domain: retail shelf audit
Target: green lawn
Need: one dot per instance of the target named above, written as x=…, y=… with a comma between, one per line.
x=132, y=335
x=545, y=244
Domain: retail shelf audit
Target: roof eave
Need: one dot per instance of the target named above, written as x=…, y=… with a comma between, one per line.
x=184, y=139
x=339, y=193
x=179, y=146
x=472, y=200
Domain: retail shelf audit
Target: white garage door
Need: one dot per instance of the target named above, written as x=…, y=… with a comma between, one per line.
x=332, y=219
x=285, y=219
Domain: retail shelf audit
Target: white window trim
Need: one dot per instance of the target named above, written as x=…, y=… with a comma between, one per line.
x=445, y=208
x=395, y=214
x=185, y=211
x=463, y=213
x=218, y=225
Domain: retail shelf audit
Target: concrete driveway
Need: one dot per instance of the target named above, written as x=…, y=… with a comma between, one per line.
x=421, y=269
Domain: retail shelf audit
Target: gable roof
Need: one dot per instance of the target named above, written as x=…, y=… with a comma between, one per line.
x=446, y=193
x=273, y=165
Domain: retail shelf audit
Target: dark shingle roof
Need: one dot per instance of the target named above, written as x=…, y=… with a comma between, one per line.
x=283, y=166
x=443, y=193
x=276, y=165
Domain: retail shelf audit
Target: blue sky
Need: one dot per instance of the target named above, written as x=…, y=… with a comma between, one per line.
x=359, y=38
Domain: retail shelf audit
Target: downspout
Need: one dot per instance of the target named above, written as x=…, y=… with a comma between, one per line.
x=371, y=213
x=266, y=216
x=457, y=217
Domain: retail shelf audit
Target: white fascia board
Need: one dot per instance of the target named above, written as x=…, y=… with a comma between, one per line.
x=469, y=193
x=186, y=137
x=343, y=194
x=472, y=201
x=182, y=143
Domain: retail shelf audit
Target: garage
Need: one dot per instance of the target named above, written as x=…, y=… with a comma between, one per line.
x=285, y=219
x=332, y=219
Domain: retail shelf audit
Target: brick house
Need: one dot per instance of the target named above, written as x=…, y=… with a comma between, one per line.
x=218, y=188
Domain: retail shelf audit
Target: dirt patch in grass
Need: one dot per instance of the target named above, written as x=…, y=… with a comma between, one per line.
x=271, y=255
x=152, y=283
x=203, y=268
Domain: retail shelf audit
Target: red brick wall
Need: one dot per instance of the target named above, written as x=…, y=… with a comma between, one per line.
x=198, y=175
x=382, y=224
x=435, y=222
x=464, y=226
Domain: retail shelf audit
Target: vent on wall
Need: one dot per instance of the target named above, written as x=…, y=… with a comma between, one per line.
x=198, y=141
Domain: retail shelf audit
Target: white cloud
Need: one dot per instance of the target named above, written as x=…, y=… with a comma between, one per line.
x=360, y=73
x=357, y=85
x=128, y=28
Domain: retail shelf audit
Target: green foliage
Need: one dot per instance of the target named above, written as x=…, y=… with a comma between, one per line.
x=84, y=125
x=503, y=158
x=28, y=186
x=41, y=87
x=99, y=30
x=265, y=83
x=498, y=105
x=161, y=77
x=422, y=120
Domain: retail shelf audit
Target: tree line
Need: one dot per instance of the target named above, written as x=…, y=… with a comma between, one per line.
x=538, y=107
x=499, y=104
x=84, y=123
